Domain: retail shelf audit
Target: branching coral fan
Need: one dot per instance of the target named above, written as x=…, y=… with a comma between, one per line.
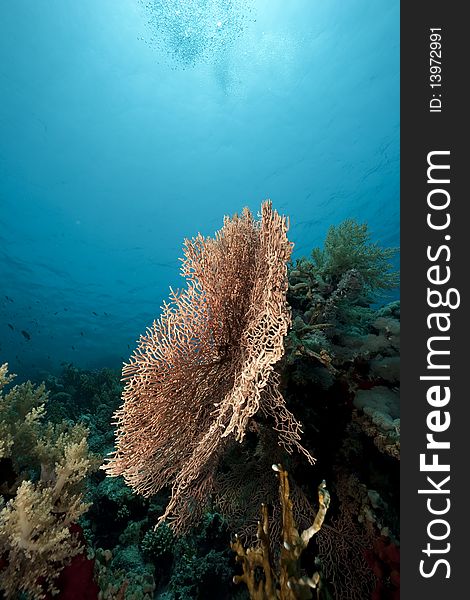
x=205, y=368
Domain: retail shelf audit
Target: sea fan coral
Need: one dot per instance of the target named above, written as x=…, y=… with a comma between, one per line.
x=205, y=368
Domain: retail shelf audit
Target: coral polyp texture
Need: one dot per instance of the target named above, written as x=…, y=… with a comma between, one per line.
x=203, y=370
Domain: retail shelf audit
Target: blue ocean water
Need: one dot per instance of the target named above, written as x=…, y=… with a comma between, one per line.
x=127, y=126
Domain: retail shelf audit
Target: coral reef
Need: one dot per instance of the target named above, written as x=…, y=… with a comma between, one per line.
x=218, y=381
x=129, y=559
x=155, y=563
x=88, y=397
x=341, y=374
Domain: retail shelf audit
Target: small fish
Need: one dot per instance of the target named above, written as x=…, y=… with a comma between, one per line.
x=106, y=314
x=25, y=334
x=96, y=314
x=11, y=326
x=73, y=347
x=81, y=332
x=66, y=309
x=56, y=312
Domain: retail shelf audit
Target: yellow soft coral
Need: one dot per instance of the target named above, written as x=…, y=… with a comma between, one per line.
x=22, y=409
x=6, y=439
x=35, y=539
x=35, y=542
x=4, y=377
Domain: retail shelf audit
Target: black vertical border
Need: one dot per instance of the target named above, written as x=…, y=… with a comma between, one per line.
x=423, y=132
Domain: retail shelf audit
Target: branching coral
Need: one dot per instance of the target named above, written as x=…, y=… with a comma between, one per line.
x=206, y=367
x=284, y=580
